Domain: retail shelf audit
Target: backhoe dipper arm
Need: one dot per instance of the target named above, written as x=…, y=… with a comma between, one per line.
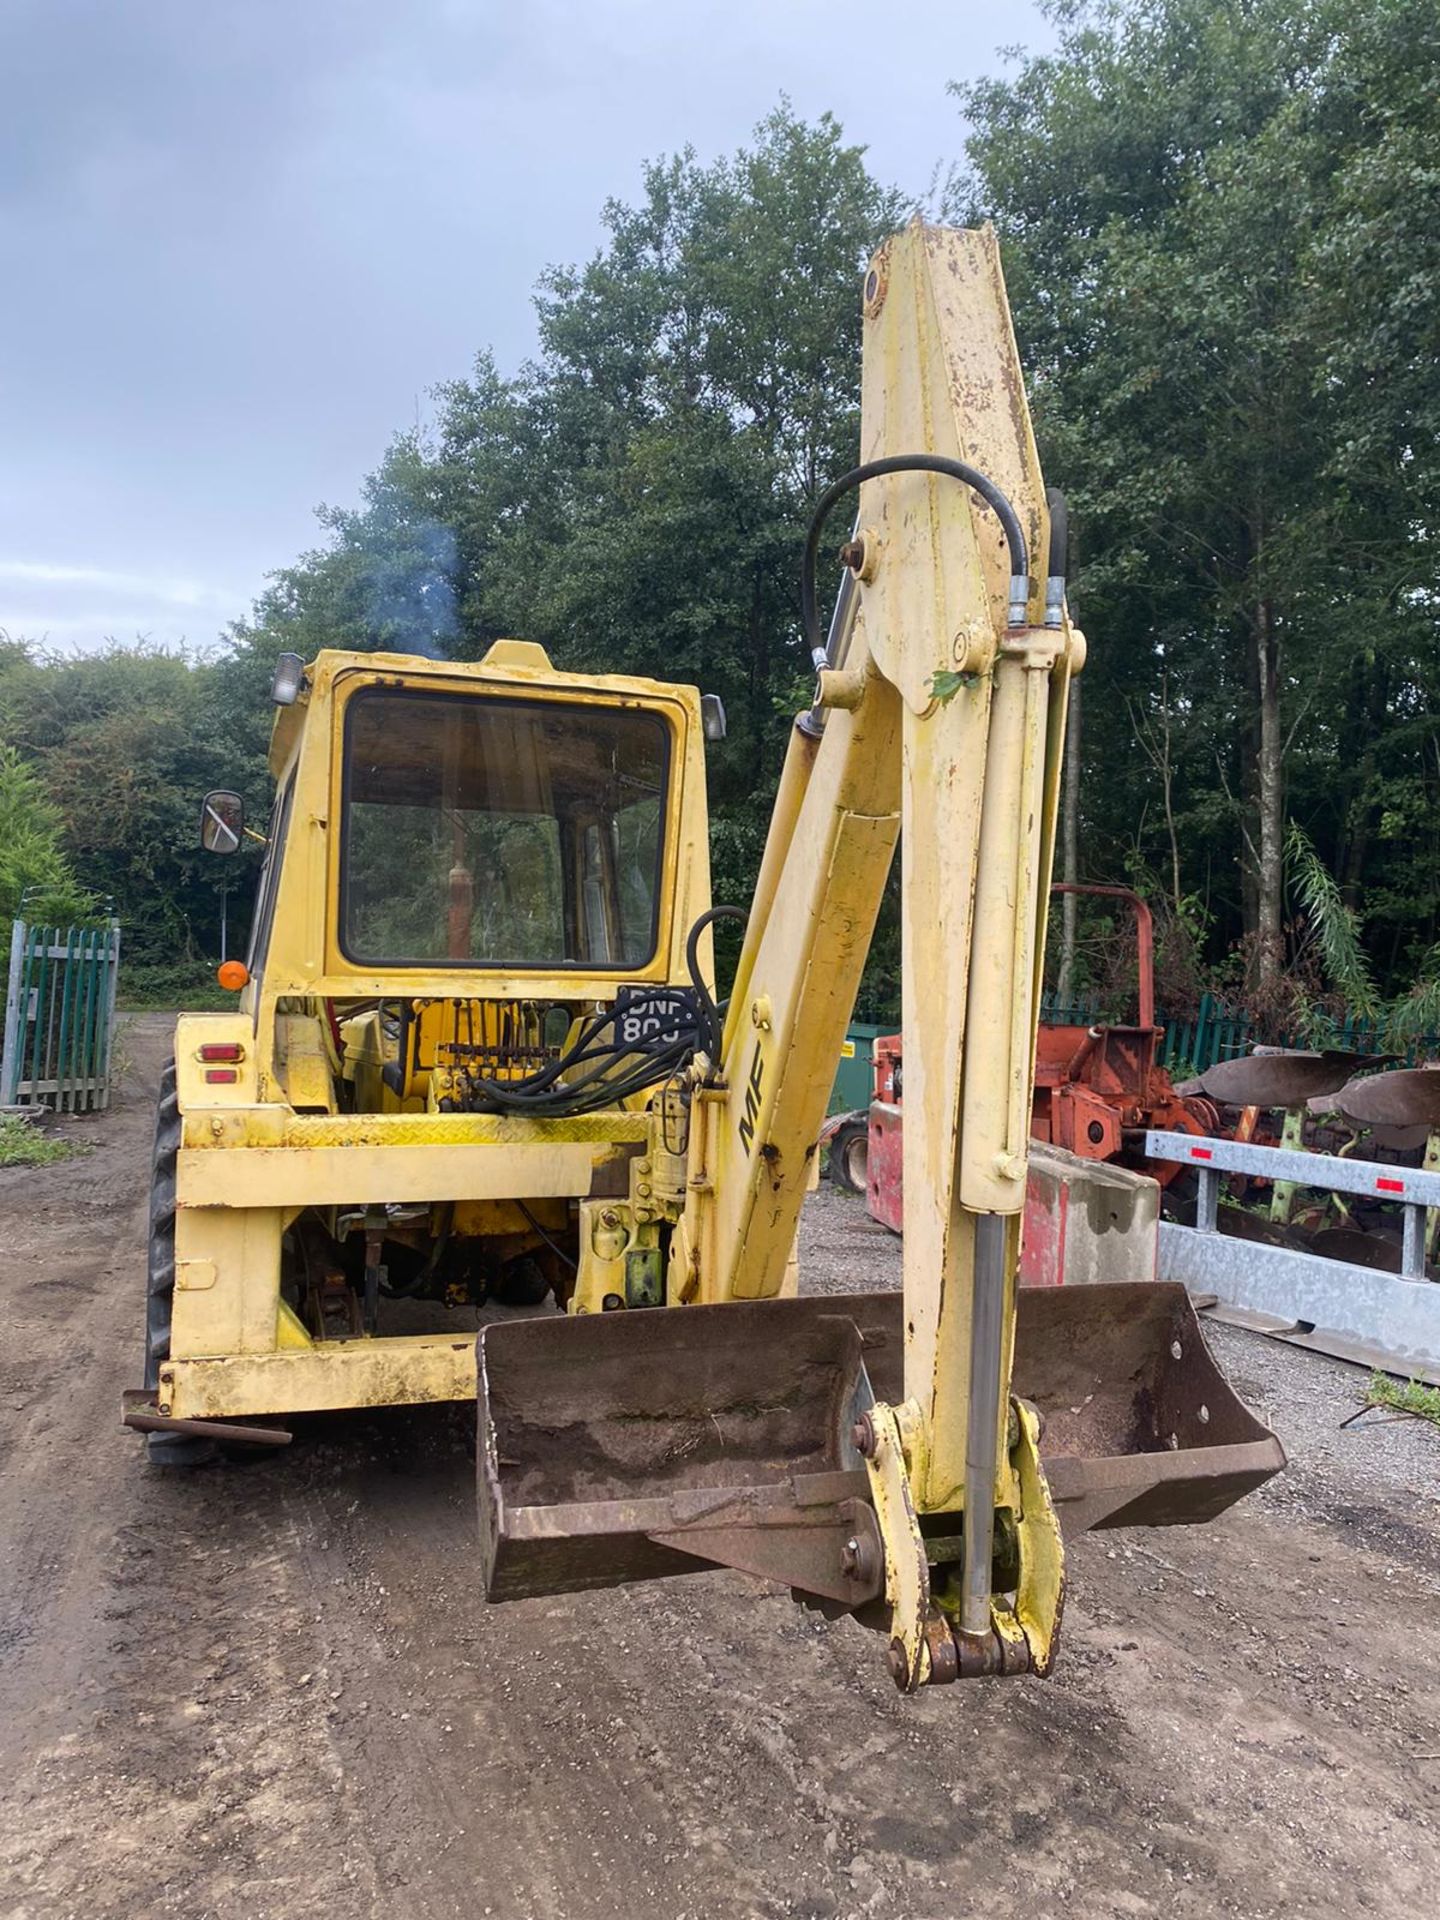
x=939, y=719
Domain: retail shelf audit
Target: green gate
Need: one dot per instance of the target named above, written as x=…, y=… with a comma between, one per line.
x=59, y=1017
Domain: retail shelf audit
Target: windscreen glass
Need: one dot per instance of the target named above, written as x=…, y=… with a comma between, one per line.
x=269, y=880
x=500, y=833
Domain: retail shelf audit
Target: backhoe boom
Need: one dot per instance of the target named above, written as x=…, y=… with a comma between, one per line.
x=875, y=1453
x=935, y=721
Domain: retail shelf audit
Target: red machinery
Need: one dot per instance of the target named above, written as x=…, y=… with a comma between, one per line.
x=1097, y=1090
x=1094, y=1086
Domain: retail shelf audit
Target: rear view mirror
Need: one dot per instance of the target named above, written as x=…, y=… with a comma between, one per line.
x=222, y=821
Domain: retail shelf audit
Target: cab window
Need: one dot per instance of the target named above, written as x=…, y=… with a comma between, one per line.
x=489, y=832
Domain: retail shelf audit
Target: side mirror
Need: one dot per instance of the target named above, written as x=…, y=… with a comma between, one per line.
x=712, y=716
x=222, y=821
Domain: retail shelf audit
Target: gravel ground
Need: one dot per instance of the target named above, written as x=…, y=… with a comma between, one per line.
x=1302, y=1395
x=275, y=1692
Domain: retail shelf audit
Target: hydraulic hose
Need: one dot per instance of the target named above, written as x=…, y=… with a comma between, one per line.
x=906, y=463
x=709, y=1013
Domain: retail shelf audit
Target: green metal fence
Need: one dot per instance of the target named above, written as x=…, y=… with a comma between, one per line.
x=60, y=1017
x=1219, y=1033
x=1080, y=1010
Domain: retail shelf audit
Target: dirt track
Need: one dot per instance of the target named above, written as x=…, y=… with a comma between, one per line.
x=274, y=1692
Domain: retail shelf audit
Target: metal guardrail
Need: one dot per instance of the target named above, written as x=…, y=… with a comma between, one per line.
x=1379, y=1319
x=1411, y=1187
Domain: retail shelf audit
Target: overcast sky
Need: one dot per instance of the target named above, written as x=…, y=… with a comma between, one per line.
x=241, y=239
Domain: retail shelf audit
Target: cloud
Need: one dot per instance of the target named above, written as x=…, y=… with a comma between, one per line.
x=241, y=242
x=76, y=605
x=169, y=592
x=106, y=101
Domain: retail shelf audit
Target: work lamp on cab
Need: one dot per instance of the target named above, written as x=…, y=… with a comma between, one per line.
x=289, y=679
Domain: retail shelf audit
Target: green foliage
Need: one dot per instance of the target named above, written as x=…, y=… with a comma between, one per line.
x=122, y=744
x=1335, y=929
x=34, y=872
x=1221, y=228
x=23, y=1145
x=185, y=987
x=945, y=684
x=1335, y=926
x=1410, y=1396
x=1415, y=1015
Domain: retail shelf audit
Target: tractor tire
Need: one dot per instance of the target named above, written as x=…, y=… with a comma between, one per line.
x=850, y=1157
x=165, y=1449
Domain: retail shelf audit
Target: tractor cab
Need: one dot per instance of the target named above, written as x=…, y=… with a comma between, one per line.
x=466, y=864
x=473, y=921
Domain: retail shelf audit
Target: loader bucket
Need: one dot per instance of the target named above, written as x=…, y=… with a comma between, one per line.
x=633, y=1445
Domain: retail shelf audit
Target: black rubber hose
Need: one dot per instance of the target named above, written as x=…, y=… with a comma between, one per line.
x=901, y=463
x=554, y=1246
x=709, y=1012
x=544, y=1094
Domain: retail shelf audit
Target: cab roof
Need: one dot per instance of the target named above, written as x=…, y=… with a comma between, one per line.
x=506, y=663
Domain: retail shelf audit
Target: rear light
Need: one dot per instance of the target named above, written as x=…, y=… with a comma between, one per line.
x=222, y=1050
x=221, y=1076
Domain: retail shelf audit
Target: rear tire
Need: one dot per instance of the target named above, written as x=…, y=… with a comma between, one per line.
x=165, y=1449
x=160, y=1270
x=850, y=1157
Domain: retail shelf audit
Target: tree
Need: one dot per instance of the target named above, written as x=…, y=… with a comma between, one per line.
x=1187, y=192
x=35, y=878
x=635, y=498
x=1221, y=226
x=122, y=744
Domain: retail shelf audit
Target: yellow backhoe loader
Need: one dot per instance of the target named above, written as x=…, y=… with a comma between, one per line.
x=478, y=1058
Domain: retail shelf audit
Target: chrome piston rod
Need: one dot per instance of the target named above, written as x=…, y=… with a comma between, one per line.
x=987, y=1337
